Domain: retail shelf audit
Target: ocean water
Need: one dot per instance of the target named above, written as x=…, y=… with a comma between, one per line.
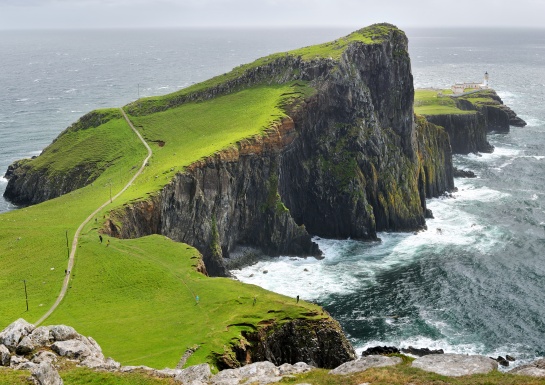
x=474, y=282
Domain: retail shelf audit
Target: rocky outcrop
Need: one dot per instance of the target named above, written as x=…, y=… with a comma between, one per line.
x=534, y=369
x=320, y=343
x=455, y=365
x=348, y=161
x=365, y=363
x=484, y=113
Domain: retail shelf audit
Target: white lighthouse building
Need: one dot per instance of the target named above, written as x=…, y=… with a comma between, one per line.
x=459, y=88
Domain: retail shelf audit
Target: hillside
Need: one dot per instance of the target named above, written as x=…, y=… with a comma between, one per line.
x=316, y=141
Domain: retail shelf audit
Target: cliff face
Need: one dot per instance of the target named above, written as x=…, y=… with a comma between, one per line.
x=349, y=162
x=36, y=180
x=319, y=343
x=467, y=132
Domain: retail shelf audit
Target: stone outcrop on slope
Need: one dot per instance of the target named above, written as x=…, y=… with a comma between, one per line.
x=348, y=162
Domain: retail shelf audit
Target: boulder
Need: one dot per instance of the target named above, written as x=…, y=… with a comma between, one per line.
x=455, y=365
x=299, y=367
x=14, y=333
x=534, y=369
x=194, y=375
x=5, y=356
x=63, y=333
x=20, y=363
x=44, y=355
x=259, y=372
x=46, y=374
x=530, y=371
x=75, y=349
x=365, y=363
x=98, y=362
x=41, y=337
x=25, y=346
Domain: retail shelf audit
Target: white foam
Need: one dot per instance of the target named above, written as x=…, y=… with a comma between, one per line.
x=71, y=90
x=21, y=100
x=3, y=180
x=534, y=122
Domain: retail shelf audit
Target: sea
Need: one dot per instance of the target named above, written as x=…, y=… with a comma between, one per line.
x=473, y=282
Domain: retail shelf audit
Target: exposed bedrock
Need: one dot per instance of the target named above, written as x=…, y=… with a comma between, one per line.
x=349, y=162
x=467, y=132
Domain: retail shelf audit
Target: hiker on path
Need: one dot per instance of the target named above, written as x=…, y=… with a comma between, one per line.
x=100, y=237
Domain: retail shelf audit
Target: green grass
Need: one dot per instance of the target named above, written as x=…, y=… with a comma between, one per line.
x=427, y=102
x=374, y=34
x=195, y=130
x=83, y=376
x=136, y=297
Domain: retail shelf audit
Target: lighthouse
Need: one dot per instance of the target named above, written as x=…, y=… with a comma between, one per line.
x=485, y=82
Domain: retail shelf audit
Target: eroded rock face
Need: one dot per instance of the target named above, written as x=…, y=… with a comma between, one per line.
x=348, y=162
x=455, y=365
x=320, y=343
x=365, y=363
x=534, y=369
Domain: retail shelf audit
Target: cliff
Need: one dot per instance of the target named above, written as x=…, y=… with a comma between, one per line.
x=467, y=118
x=347, y=158
x=67, y=164
x=347, y=162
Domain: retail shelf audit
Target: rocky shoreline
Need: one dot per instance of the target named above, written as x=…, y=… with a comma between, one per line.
x=42, y=350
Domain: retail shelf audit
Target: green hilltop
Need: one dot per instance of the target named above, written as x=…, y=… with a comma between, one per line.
x=137, y=297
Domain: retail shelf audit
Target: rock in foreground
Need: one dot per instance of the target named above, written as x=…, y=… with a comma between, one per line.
x=455, y=365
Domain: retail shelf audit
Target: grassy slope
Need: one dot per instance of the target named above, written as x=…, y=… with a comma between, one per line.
x=427, y=102
x=140, y=282
x=130, y=296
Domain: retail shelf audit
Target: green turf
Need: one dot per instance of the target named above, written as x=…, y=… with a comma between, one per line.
x=136, y=297
x=429, y=102
x=374, y=34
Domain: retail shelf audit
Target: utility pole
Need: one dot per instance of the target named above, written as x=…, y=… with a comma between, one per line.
x=26, y=295
x=67, y=247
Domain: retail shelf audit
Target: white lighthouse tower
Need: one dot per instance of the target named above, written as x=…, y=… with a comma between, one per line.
x=485, y=82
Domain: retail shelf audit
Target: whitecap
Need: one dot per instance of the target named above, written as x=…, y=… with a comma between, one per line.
x=21, y=100
x=3, y=180
x=70, y=90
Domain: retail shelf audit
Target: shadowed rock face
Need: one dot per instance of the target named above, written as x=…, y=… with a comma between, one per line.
x=348, y=162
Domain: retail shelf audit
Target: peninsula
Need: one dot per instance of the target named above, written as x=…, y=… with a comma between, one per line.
x=322, y=140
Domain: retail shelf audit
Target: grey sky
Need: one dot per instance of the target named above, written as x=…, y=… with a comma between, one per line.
x=16, y=14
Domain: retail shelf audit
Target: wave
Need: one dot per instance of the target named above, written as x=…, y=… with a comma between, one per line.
x=3, y=180
x=535, y=122
x=21, y=100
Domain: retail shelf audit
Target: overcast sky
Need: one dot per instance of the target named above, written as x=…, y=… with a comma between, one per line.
x=24, y=14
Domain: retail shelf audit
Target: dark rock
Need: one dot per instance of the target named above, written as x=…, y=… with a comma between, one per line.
x=420, y=352
x=463, y=173
x=429, y=214
x=502, y=361
x=380, y=350
x=320, y=343
x=510, y=358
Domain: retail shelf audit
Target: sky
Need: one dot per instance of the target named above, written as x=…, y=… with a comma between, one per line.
x=62, y=14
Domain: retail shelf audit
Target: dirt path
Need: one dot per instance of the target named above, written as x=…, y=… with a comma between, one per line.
x=88, y=219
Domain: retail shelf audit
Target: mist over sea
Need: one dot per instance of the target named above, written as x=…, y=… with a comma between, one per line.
x=478, y=286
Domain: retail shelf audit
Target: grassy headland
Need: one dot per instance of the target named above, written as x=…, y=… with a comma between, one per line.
x=436, y=102
x=137, y=297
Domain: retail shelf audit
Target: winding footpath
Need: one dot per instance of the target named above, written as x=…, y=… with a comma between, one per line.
x=88, y=219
